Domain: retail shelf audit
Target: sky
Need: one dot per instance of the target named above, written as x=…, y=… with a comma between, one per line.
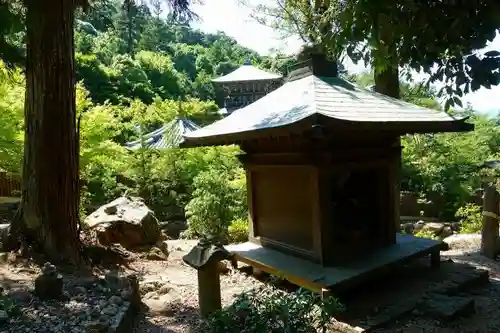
x=234, y=20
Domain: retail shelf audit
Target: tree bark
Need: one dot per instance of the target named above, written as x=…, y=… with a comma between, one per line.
x=387, y=78
x=48, y=217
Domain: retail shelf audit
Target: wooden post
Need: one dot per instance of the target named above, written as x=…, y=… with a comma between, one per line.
x=489, y=232
x=205, y=258
x=209, y=297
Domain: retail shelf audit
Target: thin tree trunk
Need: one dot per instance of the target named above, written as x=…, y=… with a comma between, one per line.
x=387, y=78
x=48, y=217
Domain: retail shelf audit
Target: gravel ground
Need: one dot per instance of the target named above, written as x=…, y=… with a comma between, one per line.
x=86, y=301
x=184, y=317
x=169, y=288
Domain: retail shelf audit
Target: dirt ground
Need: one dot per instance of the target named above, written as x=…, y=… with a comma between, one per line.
x=182, y=317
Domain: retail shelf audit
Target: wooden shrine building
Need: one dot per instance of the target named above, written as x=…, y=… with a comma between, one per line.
x=244, y=86
x=323, y=159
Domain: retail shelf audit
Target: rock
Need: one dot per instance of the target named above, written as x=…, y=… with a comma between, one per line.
x=407, y=228
x=110, y=310
x=455, y=226
x=150, y=295
x=3, y=316
x=116, y=300
x=126, y=295
x=20, y=296
x=446, y=307
x=49, y=270
x=156, y=254
x=163, y=304
x=49, y=284
x=163, y=246
x=130, y=223
x=173, y=229
x=446, y=232
x=80, y=290
x=434, y=227
x=417, y=226
x=99, y=325
x=103, y=303
x=464, y=242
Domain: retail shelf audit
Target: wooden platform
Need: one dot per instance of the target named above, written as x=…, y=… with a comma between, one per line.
x=317, y=278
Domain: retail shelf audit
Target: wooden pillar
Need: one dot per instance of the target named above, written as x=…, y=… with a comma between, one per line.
x=205, y=258
x=489, y=232
x=209, y=296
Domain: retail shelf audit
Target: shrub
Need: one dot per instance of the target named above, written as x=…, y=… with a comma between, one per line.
x=267, y=309
x=215, y=203
x=471, y=218
x=426, y=234
x=238, y=231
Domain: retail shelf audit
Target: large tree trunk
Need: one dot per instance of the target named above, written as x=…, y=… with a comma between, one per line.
x=48, y=216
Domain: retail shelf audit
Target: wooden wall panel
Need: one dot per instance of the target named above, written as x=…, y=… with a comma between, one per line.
x=283, y=205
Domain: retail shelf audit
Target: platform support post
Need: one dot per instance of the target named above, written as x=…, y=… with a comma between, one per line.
x=435, y=259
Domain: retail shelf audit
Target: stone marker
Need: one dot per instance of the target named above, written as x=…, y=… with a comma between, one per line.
x=445, y=307
x=48, y=285
x=205, y=257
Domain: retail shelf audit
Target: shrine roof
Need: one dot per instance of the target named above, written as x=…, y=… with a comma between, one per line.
x=169, y=135
x=331, y=97
x=247, y=73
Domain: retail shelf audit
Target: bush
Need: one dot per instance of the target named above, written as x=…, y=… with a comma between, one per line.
x=267, y=309
x=238, y=231
x=216, y=202
x=426, y=234
x=471, y=218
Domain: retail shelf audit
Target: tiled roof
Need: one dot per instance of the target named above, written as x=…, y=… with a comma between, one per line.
x=247, y=73
x=310, y=95
x=168, y=136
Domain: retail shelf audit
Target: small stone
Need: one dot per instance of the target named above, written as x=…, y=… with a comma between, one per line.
x=126, y=295
x=49, y=269
x=116, y=300
x=80, y=290
x=156, y=254
x=110, y=310
x=20, y=296
x=163, y=246
x=99, y=325
x=103, y=303
x=3, y=316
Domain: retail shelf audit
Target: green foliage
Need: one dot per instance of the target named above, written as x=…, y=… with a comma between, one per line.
x=471, y=218
x=11, y=120
x=406, y=35
x=9, y=306
x=426, y=234
x=218, y=198
x=268, y=309
x=238, y=231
